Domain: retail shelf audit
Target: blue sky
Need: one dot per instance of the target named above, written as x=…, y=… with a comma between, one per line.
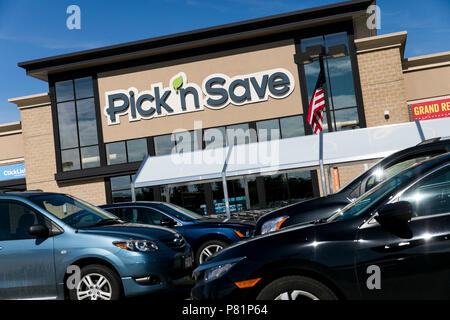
x=32, y=29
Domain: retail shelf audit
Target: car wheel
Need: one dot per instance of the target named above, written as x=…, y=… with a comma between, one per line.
x=296, y=288
x=97, y=282
x=208, y=249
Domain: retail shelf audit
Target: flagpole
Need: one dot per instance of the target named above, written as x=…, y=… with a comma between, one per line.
x=322, y=173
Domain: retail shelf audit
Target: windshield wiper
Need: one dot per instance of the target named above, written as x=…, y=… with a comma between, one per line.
x=105, y=222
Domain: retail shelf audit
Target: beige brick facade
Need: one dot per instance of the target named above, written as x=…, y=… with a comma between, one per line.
x=346, y=174
x=40, y=156
x=382, y=82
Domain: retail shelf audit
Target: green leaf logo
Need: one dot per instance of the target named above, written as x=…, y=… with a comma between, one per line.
x=177, y=83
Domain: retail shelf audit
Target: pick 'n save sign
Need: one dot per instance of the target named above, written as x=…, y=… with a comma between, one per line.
x=431, y=109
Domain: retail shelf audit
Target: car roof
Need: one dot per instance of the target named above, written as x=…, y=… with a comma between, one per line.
x=426, y=145
x=430, y=164
x=131, y=204
x=26, y=194
x=434, y=140
x=423, y=147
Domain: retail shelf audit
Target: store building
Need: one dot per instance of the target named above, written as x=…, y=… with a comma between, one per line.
x=108, y=108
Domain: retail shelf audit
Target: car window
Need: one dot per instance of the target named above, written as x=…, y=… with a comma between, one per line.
x=75, y=212
x=179, y=212
x=16, y=220
x=431, y=195
x=374, y=197
x=381, y=174
x=150, y=216
x=127, y=214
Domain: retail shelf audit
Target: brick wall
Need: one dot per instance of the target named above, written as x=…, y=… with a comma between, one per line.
x=41, y=162
x=383, y=86
x=346, y=174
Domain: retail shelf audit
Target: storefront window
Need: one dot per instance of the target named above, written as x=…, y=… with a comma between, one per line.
x=284, y=188
x=164, y=144
x=136, y=150
x=87, y=126
x=64, y=91
x=70, y=160
x=126, y=151
x=90, y=157
x=116, y=153
x=84, y=88
x=292, y=127
x=346, y=119
x=191, y=197
x=236, y=196
x=77, y=124
x=186, y=141
x=121, y=190
x=340, y=85
x=268, y=130
x=253, y=193
x=300, y=185
x=238, y=134
x=215, y=137
x=277, y=190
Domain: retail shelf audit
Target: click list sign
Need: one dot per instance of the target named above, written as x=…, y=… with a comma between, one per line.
x=14, y=171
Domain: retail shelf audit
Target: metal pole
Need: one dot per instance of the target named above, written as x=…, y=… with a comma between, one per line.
x=133, y=193
x=166, y=191
x=419, y=128
x=322, y=172
x=224, y=183
x=330, y=128
x=247, y=193
x=225, y=194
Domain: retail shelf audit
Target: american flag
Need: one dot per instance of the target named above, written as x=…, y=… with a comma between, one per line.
x=317, y=104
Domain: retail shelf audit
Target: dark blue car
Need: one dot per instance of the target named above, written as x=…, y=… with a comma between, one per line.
x=206, y=235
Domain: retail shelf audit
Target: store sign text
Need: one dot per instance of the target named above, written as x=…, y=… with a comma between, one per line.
x=431, y=110
x=14, y=171
x=217, y=92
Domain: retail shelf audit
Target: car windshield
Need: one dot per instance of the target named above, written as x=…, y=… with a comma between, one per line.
x=74, y=212
x=179, y=212
x=373, y=197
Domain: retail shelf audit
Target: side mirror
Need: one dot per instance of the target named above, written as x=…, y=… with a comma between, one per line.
x=39, y=231
x=169, y=223
x=395, y=215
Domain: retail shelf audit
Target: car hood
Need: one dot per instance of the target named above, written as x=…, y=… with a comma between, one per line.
x=308, y=210
x=220, y=223
x=132, y=231
x=299, y=233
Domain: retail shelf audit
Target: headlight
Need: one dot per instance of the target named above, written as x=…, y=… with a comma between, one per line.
x=137, y=245
x=273, y=225
x=217, y=272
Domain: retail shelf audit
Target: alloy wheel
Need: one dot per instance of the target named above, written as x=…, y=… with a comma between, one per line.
x=209, y=251
x=296, y=295
x=94, y=286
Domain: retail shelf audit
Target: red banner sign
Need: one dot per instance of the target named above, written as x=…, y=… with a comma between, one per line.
x=431, y=109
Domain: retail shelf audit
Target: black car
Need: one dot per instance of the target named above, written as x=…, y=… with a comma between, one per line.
x=391, y=243
x=206, y=235
x=323, y=207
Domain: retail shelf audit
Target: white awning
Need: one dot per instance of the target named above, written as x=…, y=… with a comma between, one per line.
x=286, y=154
